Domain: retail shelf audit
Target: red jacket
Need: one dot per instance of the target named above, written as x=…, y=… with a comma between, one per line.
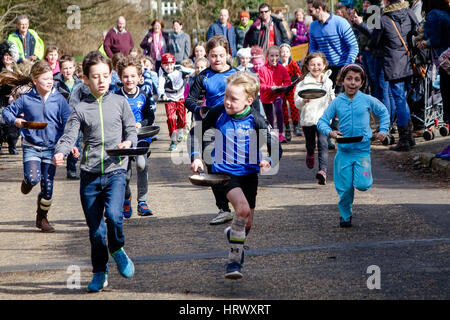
x=270, y=76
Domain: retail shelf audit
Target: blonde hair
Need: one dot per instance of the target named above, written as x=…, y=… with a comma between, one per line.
x=246, y=81
x=273, y=48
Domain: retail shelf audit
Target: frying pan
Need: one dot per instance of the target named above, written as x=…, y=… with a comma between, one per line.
x=287, y=88
x=312, y=93
x=136, y=151
x=207, y=180
x=349, y=139
x=148, y=131
x=34, y=125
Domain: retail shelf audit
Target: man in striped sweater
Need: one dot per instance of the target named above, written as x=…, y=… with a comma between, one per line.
x=332, y=35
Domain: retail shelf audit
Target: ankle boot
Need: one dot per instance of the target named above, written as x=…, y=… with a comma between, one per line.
x=411, y=140
x=403, y=140
x=41, y=217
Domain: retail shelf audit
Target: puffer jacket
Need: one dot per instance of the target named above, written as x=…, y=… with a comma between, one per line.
x=396, y=63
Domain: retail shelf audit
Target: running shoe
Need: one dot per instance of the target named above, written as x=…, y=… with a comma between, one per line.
x=221, y=217
x=99, y=282
x=322, y=177
x=234, y=271
x=345, y=224
x=124, y=264
x=172, y=146
x=143, y=209
x=127, y=210
x=310, y=162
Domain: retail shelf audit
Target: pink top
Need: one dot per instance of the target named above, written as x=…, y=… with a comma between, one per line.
x=270, y=76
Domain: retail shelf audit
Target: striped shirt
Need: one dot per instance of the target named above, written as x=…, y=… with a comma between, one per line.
x=335, y=38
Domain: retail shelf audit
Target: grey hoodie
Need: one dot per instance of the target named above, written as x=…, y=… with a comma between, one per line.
x=105, y=123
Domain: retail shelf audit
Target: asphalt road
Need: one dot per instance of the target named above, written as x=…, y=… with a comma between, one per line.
x=397, y=249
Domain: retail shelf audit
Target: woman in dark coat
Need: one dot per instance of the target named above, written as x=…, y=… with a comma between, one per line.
x=155, y=43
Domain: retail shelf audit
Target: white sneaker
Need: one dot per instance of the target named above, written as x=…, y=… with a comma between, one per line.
x=222, y=217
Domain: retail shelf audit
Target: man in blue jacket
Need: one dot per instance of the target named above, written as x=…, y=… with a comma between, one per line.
x=223, y=27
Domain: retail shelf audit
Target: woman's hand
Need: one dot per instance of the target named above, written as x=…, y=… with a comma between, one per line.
x=75, y=152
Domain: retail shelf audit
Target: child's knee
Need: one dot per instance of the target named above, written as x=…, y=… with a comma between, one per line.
x=363, y=186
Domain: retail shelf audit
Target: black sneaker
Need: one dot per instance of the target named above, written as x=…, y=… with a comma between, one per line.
x=345, y=224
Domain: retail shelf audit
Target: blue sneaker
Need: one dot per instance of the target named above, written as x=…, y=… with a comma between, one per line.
x=127, y=211
x=234, y=271
x=124, y=264
x=172, y=146
x=99, y=282
x=143, y=209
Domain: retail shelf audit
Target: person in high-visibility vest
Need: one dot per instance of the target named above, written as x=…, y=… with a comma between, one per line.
x=30, y=45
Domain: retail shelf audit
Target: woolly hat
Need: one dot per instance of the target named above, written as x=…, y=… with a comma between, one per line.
x=244, y=53
x=244, y=14
x=257, y=52
x=167, y=58
x=9, y=47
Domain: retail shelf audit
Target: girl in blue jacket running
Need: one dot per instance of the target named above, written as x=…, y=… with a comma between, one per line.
x=352, y=165
x=42, y=104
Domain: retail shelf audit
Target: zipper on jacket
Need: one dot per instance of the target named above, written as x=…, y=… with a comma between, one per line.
x=100, y=108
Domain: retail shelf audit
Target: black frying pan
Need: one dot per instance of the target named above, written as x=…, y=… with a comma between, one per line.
x=312, y=93
x=136, y=151
x=208, y=180
x=340, y=139
x=147, y=131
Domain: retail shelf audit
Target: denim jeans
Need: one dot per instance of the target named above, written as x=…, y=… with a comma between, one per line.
x=368, y=61
x=383, y=90
x=102, y=199
x=399, y=94
x=38, y=167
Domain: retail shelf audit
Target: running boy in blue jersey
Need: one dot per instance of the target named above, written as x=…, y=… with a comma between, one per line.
x=241, y=132
x=129, y=70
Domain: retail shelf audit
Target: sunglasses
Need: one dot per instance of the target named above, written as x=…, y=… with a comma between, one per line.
x=264, y=11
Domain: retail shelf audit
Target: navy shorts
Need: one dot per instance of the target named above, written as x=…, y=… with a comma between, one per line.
x=248, y=184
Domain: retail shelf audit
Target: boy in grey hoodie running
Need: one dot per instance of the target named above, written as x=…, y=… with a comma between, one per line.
x=106, y=121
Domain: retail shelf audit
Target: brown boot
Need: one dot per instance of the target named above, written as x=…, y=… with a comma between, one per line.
x=411, y=140
x=41, y=217
x=42, y=222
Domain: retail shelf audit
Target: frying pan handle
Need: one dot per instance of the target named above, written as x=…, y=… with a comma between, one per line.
x=200, y=171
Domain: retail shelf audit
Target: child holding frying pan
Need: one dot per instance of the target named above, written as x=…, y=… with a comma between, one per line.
x=316, y=77
x=240, y=133
x=46, y=105
x=352, y=164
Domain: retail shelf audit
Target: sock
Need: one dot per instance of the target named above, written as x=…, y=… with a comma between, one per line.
x=237, y=239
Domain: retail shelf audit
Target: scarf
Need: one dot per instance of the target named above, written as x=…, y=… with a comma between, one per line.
x=157, y=43
x=175, y=37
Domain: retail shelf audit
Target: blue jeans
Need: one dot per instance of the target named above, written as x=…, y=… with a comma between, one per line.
x=399, y=94
x=383, y=90
x=38, y=167
x=368, y=61
x=102, y=201
x=351, y=170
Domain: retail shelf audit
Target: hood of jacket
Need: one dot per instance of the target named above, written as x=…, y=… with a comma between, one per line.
x=397, y=11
